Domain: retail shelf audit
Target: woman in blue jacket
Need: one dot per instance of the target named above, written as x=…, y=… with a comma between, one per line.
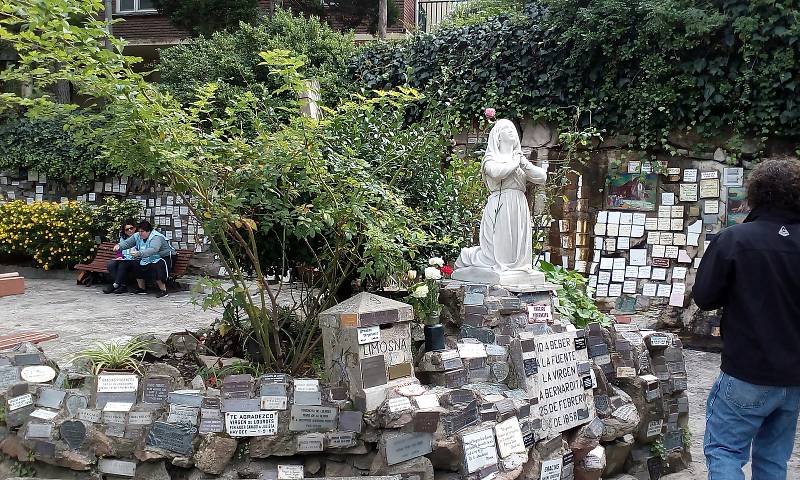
x=155, y=254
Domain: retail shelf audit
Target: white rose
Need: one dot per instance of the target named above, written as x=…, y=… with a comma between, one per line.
x=432, y=273
x=436, y=261
x=412, y=274
x=420, y=292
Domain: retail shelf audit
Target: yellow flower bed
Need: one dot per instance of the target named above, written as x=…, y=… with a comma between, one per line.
x=51, y=234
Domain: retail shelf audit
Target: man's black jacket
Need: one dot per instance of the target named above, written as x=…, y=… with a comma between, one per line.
x=752, y=272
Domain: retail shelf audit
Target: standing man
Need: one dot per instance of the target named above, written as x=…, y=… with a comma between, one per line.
x=752, y=272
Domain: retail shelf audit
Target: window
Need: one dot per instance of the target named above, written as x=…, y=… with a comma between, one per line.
x=131, y=6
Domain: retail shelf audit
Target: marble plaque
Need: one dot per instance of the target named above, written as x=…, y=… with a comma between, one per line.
x=232, y=404
x=211, y=425
x=120, y=468
x=189, y=398
x=8, y=376
x=173, y=437
x=457, y=420
x=15, y=403
x=350, y=421
x=155, y=390
x=341, y=439
x=45, y=449
x=290, y=472
x=73, y=432
x=117, y=383
x=373, y=372
x=427, y=422
x=405, y=446
x=273, y=390
x=140, y=418
x=310, y=442
x=273, y=402
x=39, y=430
x=38, y=374
x=509, y=437
x=251, y=424
x=90, y=415
x=312, y=418
x=25, y=359
x=75, y=403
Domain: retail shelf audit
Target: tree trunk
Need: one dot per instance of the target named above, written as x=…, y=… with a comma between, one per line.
x=382, y=18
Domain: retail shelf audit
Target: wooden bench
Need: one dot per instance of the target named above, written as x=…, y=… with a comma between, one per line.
x=8, y=342
x=105, y=253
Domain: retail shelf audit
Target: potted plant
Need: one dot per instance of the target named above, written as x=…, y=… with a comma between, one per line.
x=111, y=356
x=424, y=297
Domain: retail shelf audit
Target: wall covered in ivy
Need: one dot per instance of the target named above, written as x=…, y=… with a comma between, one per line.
x=633, y=67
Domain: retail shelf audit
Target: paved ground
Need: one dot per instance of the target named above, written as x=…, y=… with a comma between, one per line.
x=82, y=315
x=702, y=369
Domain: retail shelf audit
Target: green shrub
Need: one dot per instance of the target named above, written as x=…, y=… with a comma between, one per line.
x=45, y=145
x=231, y=59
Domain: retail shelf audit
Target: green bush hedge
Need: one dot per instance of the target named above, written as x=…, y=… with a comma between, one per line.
x=641, y=67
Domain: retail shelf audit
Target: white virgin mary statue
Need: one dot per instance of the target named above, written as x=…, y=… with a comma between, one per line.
x=504, y=256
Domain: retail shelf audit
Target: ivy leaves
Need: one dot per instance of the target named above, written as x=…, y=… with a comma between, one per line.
x=642, y=67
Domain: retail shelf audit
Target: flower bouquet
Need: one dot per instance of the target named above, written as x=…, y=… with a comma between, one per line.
x=424, y=297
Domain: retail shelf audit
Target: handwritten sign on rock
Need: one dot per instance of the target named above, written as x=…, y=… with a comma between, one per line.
x=369, y=334
x=310, y=442
x=117, y=383
x=308, y=418
x=561, y=392
x=479, y=450
x=251, y=424
x=509, y=437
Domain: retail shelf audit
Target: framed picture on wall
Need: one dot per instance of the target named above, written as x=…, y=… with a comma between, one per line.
x=632, y=191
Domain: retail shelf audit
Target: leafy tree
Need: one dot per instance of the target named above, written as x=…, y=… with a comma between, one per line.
x=313, y=182
x=231, y=59
x=204, y=17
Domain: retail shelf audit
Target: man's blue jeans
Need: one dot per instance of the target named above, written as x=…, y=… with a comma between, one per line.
x=740, y=414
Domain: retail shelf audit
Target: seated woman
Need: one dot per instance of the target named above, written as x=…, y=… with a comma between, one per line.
x=123, y=263
x=156, y=257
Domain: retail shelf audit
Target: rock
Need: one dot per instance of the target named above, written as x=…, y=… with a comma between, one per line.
x=584, y=439
x=312, y=464
x=592, y=465
x=616, y=454
x=362, y=462
x=198, y=383
x=183, y=462
x=151, y=471
x=158, y=348
x=420, y=467
x=183, y=343
x=214, y=453
x=13, y=447
x=281, y=445
x=446, y=455
x=533, y=467
x=166, y=370
x=340, y=469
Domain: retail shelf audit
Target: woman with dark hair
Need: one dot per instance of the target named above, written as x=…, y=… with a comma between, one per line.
x=123, y=262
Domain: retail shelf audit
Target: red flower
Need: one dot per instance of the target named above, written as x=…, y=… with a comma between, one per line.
x=446, y=270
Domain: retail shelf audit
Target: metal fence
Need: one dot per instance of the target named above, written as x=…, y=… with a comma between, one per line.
x=431, y=12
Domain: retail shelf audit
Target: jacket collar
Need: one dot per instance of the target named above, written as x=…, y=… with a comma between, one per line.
x=770, y=213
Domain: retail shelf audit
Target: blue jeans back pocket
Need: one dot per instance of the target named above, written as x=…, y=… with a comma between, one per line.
x=746, y=395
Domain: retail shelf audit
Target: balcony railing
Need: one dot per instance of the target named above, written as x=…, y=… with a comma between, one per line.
x=431, y=12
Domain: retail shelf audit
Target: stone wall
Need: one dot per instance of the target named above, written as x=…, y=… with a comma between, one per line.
x=515, y=393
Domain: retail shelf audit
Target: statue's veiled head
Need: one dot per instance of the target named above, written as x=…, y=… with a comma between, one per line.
x=503, y=138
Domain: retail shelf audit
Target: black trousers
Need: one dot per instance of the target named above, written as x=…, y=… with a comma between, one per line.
x=119, y=269
x=155, y=271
